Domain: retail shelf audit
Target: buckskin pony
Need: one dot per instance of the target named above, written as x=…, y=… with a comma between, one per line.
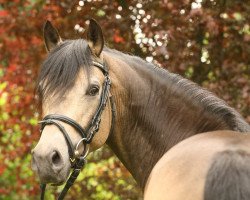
x=91, y=95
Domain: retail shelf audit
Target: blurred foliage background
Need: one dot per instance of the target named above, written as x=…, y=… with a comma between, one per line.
x=207, y=41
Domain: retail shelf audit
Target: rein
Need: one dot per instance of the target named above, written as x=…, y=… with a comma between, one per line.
x=77, y=160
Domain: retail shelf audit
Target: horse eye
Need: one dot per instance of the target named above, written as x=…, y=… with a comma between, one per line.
x=94, y=90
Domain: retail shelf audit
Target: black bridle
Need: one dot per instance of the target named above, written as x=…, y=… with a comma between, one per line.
x=77, y=160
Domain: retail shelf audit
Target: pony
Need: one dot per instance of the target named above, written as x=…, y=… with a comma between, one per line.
x=91, y=95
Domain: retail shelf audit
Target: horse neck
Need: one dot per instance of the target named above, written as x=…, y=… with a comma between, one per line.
x=151, y=116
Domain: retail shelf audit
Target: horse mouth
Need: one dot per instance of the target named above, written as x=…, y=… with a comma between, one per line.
x=51, y=180
x=58, y=184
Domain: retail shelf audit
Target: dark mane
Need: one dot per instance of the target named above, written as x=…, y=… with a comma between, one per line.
x=60, y=69
x=189, y=91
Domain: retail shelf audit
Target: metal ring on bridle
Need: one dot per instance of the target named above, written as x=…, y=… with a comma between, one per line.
x=85, y=150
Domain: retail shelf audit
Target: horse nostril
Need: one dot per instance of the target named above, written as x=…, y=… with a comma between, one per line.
x=56, y=161
x=56, y=158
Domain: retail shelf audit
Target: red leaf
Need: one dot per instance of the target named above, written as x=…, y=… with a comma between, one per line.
x=3, y=13
x=12, y=68
x=117, y=38
x=2, y=169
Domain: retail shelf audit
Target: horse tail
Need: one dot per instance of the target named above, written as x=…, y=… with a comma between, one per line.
x=228, y=177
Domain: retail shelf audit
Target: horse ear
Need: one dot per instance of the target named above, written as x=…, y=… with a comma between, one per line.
x=51, y=36
x=95, y=37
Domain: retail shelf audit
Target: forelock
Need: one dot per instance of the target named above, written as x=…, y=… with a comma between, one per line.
x=59, y=71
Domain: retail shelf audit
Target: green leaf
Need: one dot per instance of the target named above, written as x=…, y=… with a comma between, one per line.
x=100, y=13
x=5, y=116
x=33, y=121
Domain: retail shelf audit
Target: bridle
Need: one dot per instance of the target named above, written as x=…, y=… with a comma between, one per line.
x=77, y=159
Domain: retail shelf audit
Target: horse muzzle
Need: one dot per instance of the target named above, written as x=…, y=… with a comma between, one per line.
x=50, y=166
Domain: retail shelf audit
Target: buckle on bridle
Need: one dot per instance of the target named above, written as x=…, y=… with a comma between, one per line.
x=72, y=160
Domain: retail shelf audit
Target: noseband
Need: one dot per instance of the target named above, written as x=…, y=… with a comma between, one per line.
x=77, y=159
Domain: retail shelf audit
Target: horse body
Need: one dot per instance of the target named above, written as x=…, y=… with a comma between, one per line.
x=207, y=166
x=155, y=109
